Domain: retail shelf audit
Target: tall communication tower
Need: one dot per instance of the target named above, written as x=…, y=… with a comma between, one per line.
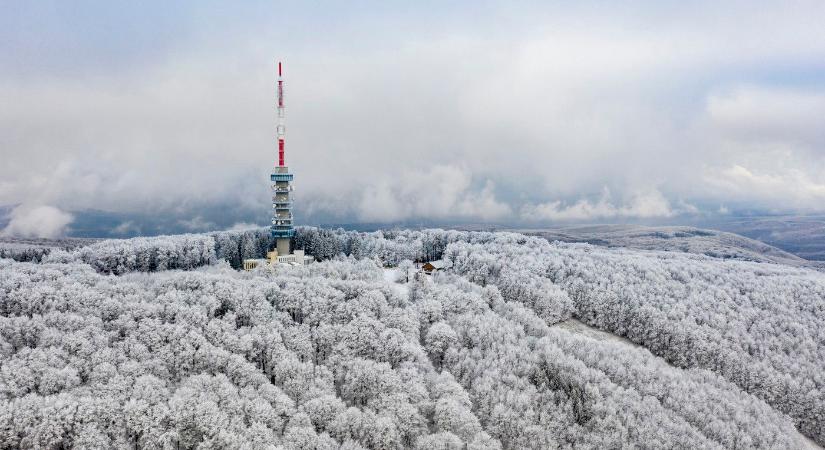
x=282, y=228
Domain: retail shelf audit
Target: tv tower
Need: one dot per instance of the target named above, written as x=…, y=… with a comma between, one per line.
x=282, y=229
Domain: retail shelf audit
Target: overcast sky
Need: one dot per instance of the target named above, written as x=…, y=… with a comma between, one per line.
x=402, y=111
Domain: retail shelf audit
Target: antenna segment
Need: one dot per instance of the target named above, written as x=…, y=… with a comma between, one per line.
x=281, y=128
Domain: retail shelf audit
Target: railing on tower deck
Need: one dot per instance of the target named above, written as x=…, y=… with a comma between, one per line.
x=282, y=233
x=281, y=177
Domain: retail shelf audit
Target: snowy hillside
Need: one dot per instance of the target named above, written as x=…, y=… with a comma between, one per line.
x=714, y=243
x=802, y=235
x=179, y=350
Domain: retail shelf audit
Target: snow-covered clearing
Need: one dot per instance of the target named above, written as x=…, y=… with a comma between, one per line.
x=583, y=329
x=390, y=276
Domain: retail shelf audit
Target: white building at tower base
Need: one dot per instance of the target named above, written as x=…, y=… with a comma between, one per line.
x=296, y=258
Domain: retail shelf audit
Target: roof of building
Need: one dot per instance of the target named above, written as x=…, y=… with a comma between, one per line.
x=441, y=264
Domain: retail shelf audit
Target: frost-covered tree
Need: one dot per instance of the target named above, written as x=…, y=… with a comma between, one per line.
x=331, y=355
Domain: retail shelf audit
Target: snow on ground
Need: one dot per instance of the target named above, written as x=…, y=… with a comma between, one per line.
x=585, y=330
x=390, y=276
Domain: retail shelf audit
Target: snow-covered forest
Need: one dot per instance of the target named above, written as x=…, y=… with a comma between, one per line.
x=162, y=343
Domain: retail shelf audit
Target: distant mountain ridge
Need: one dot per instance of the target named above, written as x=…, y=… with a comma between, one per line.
x=792, y=240
x=718, y=244
x=801, y=235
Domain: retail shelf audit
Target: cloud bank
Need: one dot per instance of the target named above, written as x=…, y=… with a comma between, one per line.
x=643, y=205
x=37, y=221
x=537, y=113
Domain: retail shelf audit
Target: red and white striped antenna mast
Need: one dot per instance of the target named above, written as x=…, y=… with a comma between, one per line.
x=282, y=229
x=280, y=117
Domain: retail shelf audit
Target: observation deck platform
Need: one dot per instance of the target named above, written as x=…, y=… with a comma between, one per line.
x=281, y=177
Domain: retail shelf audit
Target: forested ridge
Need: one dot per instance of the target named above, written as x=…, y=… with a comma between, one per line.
x=161, y=343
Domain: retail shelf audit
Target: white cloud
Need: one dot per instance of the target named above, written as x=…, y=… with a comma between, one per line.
x=441, y=192
x=126, y=228
x=483, y=205
x=756, y=113
x=769, y=149
x=41, y=221
x=778, y=186
x=459, y=121
x=197, y=223
x=243, y=226
x=643, y=204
